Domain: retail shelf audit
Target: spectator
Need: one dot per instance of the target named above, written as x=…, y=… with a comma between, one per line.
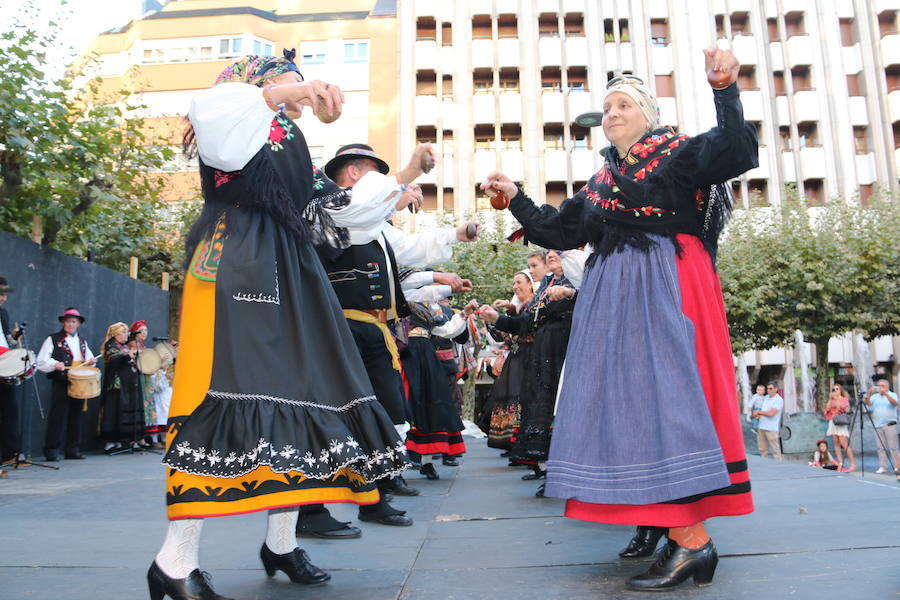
x=822, y=457
x=9, y=407
x=837, y=408
x=883, y=406
x=756, y=402
x=769, y=422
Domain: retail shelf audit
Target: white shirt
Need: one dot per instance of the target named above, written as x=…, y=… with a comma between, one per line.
x=771, y=423
x=46, y=364
x=419, y=287
x=452, y=328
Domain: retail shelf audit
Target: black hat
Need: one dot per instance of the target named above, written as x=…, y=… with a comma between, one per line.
x=4, y=286
x=351, y=152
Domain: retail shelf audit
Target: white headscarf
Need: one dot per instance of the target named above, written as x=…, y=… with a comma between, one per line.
x=635, y=89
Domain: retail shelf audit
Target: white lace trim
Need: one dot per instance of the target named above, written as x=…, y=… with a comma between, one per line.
x=186, y=458
x=260, y=297
x=264, y=397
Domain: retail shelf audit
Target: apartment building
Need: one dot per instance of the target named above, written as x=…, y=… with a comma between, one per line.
x=169, y=53
x=497, y=84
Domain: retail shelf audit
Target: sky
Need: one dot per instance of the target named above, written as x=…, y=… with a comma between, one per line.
x=82, y=20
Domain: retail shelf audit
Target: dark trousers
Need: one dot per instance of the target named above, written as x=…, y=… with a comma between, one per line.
x=385, y=379
x=10, y=444
x=65, y=414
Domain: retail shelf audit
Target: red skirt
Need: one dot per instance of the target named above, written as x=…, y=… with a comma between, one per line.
x=701, y=296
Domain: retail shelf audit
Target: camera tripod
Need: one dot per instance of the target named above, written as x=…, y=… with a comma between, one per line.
x=861, y=407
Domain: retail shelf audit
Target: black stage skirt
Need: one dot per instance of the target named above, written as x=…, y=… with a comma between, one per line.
x=505, y=398
x=436, y=424
x=538, y=398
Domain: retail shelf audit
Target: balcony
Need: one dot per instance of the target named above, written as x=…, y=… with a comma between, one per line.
x=753, y=105
x=445, y=168
x=550, y=51
x=865, y=169
x=570, y=6
x=449, y=112
x=851, y=58
x=787, y=165
x=426, y=9
x=612, y=59
x=859, y=112
x=548, y=6
x=448, y=60
x=485, y=161
x=662, y=59
x=552, y=106
x=426, y=110
x=773, y=356
x=576, y=51
x=510, y=107
x=668, y=111
x=890, y=49
x=583, y=164
x=508, y=52
x=554, y=165
x=806, y=106
x=894, y=105
x=483, y=109
x=812, y=162
x=762, y=171
x=782, y=111
x=506, y=7
x=799, y=50
x=426, y=53
x=482, y=54
x=775, y=56
x=579, y=102
x=512, y=163
x=744, y=47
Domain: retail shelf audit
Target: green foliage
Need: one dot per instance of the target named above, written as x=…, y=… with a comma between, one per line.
x=823, y=270
x=80, y=160
x=490, y=262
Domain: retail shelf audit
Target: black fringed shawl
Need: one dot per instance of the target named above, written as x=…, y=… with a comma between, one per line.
x=667, y=184
x=281, y=180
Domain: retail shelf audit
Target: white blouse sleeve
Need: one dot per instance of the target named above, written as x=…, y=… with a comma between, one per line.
x=417, y=280
x=372, y=202
x=44, y=363
x=428, y=293
x=421, y=249
x=231, y=122
x=451, y=328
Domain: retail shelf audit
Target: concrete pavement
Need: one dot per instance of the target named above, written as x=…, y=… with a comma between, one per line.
x=90, y=530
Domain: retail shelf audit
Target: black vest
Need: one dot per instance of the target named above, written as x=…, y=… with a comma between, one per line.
x=61, y=353
x=361, y=279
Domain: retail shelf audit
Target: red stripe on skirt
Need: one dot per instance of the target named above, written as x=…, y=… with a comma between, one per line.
x=701, y=300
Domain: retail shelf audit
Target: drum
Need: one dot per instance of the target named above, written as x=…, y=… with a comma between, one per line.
x=16, y=365
x=149, y=361
x=84, y=382
x=166, y=354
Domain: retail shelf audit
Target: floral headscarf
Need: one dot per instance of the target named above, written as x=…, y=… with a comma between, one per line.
x=256, y=70
x=634, y=88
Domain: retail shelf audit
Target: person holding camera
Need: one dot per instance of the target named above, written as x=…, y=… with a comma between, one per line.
x=837, y=413
x=769, y=416
x=882, y=403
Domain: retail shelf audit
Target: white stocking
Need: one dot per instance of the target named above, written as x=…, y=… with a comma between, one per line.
x=281, y=534
x=180, y=552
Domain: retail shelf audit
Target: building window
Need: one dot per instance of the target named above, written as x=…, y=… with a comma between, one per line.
x=853, y=85
x=581, y=137
x=511, y=137
x=623, y=31
x=887, y=22
x=778, y=83
x=426, y=83
x=740, y=24
x=784, y=137
x=801, y=79
x=553, y=137
x=848, y=35
x=356, y=52
x=892, y=75
x=794, y=24
x=447, y=87
x=257, y=47
x=447, y=142
x=664, y=86
x=507, y=26
x=720, y=27
x=809, y=135
x=484, y=137
x=483, y=81
x=426, y=133
x=772, y=29
x=577, y=79
x=574, y=25
x=659, y=32
x=446, y=34
x=815, y=192
x=481, y=27
x=747, y=78
x=426, y=30
x=861, y=139
x=548, y=26
x=509, y=80
x=551, y=80
x=229, y=47
x=313, y=58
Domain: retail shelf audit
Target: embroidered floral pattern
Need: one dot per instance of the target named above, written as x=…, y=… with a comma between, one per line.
x=205, y=262
x=281, y=129
x=318, y=179
x=221, y=177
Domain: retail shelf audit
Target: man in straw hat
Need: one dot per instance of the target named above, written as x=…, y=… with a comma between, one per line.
x=58, y=352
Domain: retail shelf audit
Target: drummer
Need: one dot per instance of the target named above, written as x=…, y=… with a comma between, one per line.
x=59, y=351
x=9, y=408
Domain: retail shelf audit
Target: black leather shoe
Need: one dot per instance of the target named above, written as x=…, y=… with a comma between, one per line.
x=675, y=564
x=399, y=487
x=450, y=461
x=540, y=491
x=393, y=520
x=643, y=543
x=536, y=473
x=294, y=564
x=196, y=586
x=74, y=456
x=347, y=532
x=428, y=471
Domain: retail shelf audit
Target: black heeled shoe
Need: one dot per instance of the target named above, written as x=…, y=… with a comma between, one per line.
x=196, y=586
x=537, y=473
x=643, y=543
x=450, y=461
x=675, y=564
x=429, y=472
x=294, y=564
x=540, y=491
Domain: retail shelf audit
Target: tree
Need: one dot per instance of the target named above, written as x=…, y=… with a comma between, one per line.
x=824, y=270
x=79, y=159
